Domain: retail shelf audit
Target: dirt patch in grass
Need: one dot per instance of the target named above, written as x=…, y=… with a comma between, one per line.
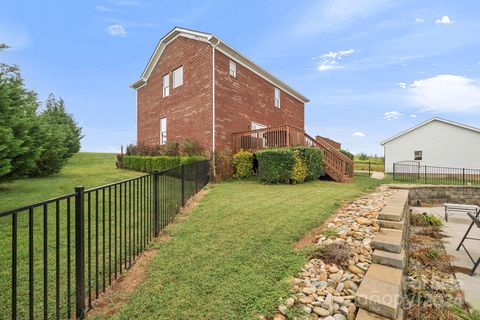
x=115, y=296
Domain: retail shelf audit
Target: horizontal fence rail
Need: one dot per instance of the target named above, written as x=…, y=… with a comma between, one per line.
x=413, y=171
x=58, y=255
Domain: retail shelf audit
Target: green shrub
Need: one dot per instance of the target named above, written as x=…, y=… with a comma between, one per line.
x=223, y=165
x=243, y=161
x=347, y=153
x=426, y=220
x=151, y=164
x=172, y=148
x=313, y=159
x=190, y=147
x=275, y=165
x=299, y=170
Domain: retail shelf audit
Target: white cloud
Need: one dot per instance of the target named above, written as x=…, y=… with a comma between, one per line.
x=103, y=9
x=444, y=20
x=392, y=115
x=330, y=60
x=359, y=134
x=446, y=93
x=116, y=30
x=401, y=85
x=413, y=116
x=419, y=20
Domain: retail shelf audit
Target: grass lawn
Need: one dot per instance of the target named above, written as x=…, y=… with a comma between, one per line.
x=233, y=256
x=83, y=169
x=375, y=165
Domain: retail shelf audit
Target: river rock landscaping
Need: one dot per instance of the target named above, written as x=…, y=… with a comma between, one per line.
x=326, y=286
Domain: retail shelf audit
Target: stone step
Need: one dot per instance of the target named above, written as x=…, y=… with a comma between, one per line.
x=380, y=291
x=395, y=260
x=398, y=225
x=363, y=314
x=396, y=207
x=390, y=240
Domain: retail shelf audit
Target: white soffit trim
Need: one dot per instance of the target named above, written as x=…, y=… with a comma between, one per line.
x=223, y=48
x=453, y=123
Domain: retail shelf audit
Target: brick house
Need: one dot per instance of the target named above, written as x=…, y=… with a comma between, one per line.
x=195, y=85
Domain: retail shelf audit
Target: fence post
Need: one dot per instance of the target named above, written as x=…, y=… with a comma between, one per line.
x=196, y=177
x=394, y=171
x=425, y=174
x=79, y=253
x=464, y=176
x=183, y=185
x=369, y=169
x=155, y=203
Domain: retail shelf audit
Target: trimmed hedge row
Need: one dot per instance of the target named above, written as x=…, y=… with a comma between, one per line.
x=243, y=162
x=293, y=165
x=156, y=163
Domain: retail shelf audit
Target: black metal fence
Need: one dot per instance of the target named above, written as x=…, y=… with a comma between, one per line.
x=412, y=171
x=58, y=255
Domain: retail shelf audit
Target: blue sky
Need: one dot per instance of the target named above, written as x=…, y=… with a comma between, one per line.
x=370, y=67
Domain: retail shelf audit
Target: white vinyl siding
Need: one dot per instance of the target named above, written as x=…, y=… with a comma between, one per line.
x=442, y=144
x=166, y=85
x=163, y=131
x=178, y=77
x=277, y=97
x=233, y=69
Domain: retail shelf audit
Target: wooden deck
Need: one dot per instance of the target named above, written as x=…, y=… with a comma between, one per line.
x=336, y=165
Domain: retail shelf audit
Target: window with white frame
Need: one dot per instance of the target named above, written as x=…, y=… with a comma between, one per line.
x=277, y=97
x=178, y=77
x=418, y=155
x=166, y=85
x=233, y=69
x=163, y=131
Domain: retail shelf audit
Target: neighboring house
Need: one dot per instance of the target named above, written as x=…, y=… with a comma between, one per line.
x=197, y=86
x=179, y=95
x=435, y=142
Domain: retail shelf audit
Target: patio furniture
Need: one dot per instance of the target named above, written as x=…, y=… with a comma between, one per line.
x=475, y=221
x=451, y=208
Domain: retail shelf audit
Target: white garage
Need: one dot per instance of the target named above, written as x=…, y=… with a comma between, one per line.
x=435, y=142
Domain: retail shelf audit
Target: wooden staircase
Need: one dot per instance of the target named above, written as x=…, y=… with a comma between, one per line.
x=336, y=165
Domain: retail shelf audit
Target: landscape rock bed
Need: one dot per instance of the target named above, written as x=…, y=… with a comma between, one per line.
x=325, y=289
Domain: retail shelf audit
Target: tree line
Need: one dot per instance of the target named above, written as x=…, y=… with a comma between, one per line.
x=35, y=140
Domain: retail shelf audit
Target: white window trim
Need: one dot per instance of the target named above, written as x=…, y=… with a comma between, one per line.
x=163, y=131
x=166, y=86
x=232, y=71
x=277, y=102
x=174, y=77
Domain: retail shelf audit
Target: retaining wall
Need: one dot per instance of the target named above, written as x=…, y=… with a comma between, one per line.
x=429, y=195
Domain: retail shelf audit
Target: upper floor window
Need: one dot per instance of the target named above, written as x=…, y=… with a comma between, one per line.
x=178, y=77
x=166, y=85
x=418, y=155
x=277, y=97
x=163, y=131
x=233, y=69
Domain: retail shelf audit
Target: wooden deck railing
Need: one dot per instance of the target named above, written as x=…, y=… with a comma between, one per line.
x=338, y=166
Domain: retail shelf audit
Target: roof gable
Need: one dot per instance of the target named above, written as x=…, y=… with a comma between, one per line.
x=453, y=123
x=220, y=46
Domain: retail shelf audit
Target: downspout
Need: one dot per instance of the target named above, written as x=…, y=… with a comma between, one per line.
x=213, y=105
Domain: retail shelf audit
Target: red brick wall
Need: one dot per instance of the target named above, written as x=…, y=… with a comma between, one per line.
x=247, y=98
x=188, y=107
x=239, y=101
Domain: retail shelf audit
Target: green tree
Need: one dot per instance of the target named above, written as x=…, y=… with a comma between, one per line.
x=60, y=137
x=18, y=127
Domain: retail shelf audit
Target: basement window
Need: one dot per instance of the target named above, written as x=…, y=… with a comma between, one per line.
x=178, y=77
x=418, y=155
x=233, y=69
x=166, y=85
x=277, y=97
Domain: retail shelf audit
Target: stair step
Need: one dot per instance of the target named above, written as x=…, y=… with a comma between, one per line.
x=363, y=314
x=395, y=260
x=390, y=240
x=398, y=225
x=396, y=207
x=380, y=291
